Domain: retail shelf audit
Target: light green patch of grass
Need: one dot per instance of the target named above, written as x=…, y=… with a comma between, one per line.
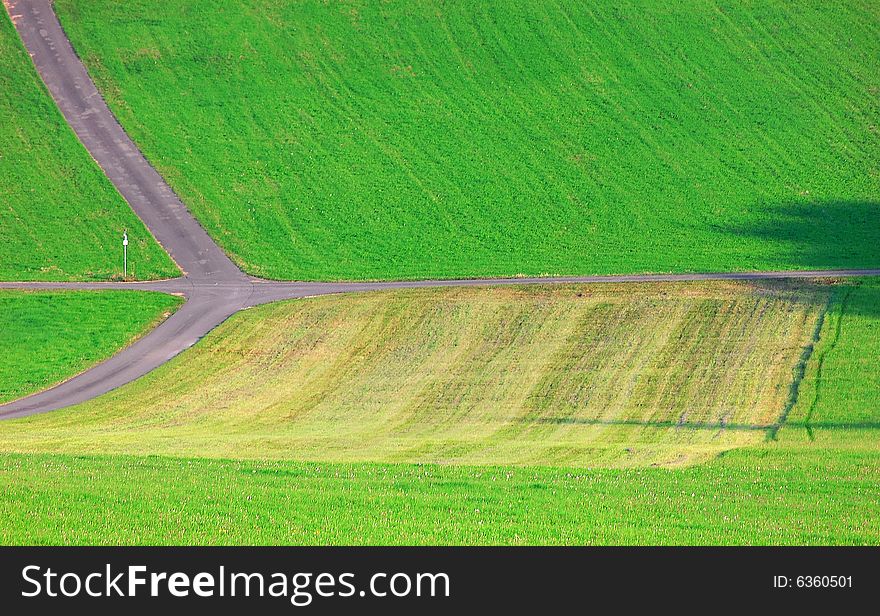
x=769, y=494
x=60, y=218
x=47, y=337
x=841, y=389
x=582, y=375
x=401, y=139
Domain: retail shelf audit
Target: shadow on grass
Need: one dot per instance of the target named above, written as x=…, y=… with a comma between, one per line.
x=709, y=425
x=858, y=426
x=825, y=235
x=687, y=425
x=822, y=234
x=844, y=300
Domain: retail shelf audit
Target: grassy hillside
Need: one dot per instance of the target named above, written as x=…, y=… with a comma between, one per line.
x=792, y=486
x=773, y=493
x=842, y=385
x=406, y=139
x=626, y=375
x=60, y=218
x=46, y=337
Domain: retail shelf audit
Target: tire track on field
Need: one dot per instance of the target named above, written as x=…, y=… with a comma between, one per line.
x=800, y=371
x=821, y=361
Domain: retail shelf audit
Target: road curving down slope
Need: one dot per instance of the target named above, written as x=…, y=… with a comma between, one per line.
x=213, y=286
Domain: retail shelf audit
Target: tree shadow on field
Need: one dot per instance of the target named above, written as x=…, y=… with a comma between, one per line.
x=832, y=235
x=824, y=235
x=824, y=293
x=821, y=235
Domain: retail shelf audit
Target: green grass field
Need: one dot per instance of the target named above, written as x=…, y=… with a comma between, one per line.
x=358, y=139
x=770, y=494
x=47, y=337
x=811, y=479
x=603, y=375
x=842, y=385
x=60, y=218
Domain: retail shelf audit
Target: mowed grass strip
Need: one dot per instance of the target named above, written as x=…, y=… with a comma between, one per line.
x=583, y=375
x=47, y=337
x=362, y=139
x=60, y=218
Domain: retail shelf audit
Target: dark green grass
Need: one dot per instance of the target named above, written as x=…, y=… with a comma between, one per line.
x=60, y=218
x=46, y=337
x=409, y=139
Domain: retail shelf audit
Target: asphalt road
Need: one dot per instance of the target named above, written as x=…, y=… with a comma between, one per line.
x=213, y=286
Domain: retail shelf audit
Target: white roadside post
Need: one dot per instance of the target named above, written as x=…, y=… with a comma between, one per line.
x=125, y=254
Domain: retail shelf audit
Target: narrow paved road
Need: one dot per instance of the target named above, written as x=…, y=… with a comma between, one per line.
x=213, y=286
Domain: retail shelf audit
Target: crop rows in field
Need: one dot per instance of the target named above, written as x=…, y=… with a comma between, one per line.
x=576, y=375
x=60, y=218
x=416, y=140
